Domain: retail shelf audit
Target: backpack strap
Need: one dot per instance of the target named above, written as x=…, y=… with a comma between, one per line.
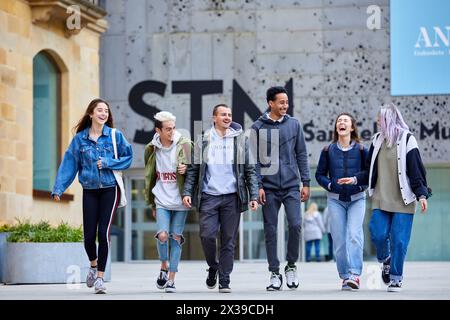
x=363, y=158
x=325, y=149
x=113, y=136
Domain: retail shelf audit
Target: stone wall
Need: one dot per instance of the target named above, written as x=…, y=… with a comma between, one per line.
x=335, y=62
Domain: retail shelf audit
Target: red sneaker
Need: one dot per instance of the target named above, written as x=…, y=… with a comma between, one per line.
x=353, y=282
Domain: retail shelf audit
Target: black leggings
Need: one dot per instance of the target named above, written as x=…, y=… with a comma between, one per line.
x=99, y=207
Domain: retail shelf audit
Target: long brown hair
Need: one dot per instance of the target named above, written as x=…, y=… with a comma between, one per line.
x=86, y=121
x=354, y=135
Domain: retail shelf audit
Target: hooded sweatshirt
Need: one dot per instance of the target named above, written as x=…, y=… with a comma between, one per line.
x=219, y=178
x=292, y=164
x=167, y=194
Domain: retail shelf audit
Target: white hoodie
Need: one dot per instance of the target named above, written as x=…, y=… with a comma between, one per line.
x=167, y=194
x=219, y=178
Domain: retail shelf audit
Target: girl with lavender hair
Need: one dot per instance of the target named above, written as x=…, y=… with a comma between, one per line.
x=397, y=182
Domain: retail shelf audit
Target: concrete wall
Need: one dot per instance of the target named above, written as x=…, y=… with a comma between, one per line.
x=78, y=59
x=336, y=63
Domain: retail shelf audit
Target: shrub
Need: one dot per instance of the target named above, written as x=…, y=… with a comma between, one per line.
x=44, y=232
x=6, y=228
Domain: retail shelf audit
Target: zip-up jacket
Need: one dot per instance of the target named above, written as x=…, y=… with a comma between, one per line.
x=291, y=164
x=244, y=172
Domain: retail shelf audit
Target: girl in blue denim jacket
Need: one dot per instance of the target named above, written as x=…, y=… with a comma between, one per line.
x=91, y=156
x=346, y=203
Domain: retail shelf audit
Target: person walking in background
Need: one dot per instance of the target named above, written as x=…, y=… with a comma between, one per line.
x=226, y=185
x=166, y=158
x=289, y=156
x=313, y=229
x=91, y=155
x=327, y=224
x=397, y=181
x=346, y=203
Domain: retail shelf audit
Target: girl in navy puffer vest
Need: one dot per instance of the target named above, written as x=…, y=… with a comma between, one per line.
x=346, y=203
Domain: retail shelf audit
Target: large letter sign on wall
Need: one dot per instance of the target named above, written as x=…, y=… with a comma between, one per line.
x=420, y=47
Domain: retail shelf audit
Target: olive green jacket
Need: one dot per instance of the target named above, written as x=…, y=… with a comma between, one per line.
x=184, y=147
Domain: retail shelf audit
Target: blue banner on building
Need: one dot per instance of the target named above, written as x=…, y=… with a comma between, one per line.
x=420, y=47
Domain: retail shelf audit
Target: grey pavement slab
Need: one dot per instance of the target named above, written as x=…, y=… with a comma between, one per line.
x=318, y=281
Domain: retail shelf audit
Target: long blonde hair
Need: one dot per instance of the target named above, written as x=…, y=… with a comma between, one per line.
x=311, y=209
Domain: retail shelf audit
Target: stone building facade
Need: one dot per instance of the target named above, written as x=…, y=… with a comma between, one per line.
x=69, y=42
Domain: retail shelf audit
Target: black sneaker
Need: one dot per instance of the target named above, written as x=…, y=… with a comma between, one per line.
x=276, y=282
x=162, y=279
x=386, y=271
x=224, y=288
x=211, y=280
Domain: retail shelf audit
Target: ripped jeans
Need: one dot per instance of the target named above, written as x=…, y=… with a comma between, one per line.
x=171, y=222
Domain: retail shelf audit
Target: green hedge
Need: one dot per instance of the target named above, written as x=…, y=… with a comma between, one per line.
x=42, y=232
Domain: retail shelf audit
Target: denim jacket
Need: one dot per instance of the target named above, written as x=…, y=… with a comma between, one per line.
x=82, y=155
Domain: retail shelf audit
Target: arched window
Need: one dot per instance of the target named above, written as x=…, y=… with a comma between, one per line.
x=46, y=122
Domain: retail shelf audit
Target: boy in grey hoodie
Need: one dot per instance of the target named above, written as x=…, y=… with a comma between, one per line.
x=224, y=181
x=279, y=181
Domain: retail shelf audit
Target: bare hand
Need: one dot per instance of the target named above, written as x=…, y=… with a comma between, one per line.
x=182, y=168
x=154, y=213
x=304, y=194
x=253, y=205
x=262, y=196
x=99, y=164
x=345, y=181
x=187, y=201
x=56, y=197
x=424, y=205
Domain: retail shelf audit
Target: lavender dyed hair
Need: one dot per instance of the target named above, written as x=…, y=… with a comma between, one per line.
x=391, y=123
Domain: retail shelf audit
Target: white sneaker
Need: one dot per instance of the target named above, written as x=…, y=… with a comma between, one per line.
x=99, y=286
x=276, y=282
x=291, y=277
x=91, y=277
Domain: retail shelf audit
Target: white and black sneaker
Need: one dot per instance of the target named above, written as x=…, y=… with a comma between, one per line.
x=395, y=286
x=291, y=277
x=385, y=271
x=276, y=282
x=162, y=279
x=224, y=288
x=170, y=287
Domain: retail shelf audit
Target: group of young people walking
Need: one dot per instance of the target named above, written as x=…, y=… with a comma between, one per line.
x=226, y=172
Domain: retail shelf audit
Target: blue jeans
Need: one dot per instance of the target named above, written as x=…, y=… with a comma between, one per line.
x=390, y=233
x=171, y=222
x=309, y=247
x=346, y=224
